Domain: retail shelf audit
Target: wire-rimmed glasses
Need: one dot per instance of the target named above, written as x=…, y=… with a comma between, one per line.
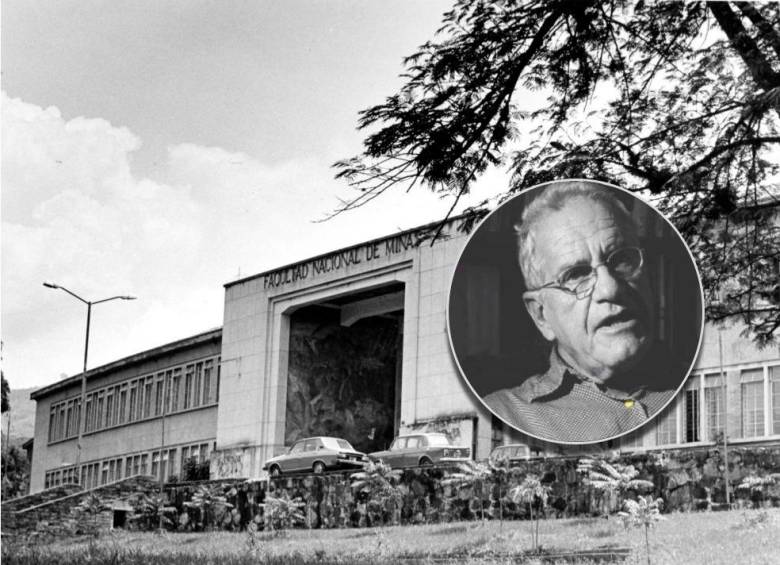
x=580, y=280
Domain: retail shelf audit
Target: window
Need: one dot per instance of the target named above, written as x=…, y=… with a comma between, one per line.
x=100, y=417
x=139, y=407
x=156, y=464
x=148, y=396
x=632, y=440
x=713, y=405
x=61, y=421
x=197, y=390
x=774, y=383
x=752, y=385
x=188, y=381
x=158, y=393
x=168, y=463
x=123, y=404
x=133, y=400
x=692, y=410
x=175, y=386
x=52, y=423
x=69, y=419
x=208, y=394
x=110, y=407
x=666, y=427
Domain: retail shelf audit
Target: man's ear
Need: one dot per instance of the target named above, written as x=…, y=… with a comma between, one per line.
x=535, y=309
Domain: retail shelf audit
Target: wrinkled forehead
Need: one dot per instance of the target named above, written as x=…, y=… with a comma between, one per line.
x=582, y=230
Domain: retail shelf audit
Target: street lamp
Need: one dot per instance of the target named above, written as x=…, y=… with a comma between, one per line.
x=82, y=412
x=725, y=416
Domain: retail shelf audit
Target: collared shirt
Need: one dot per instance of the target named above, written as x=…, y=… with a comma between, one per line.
x=560, y=405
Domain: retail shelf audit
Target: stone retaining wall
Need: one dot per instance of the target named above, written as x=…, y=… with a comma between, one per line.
x=686, y=480
x=57, y=516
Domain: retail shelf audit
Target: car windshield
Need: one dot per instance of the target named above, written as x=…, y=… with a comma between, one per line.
x=438, y=440
x=336, y=443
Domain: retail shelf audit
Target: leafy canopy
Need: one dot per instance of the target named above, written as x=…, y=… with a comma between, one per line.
x=676, y=101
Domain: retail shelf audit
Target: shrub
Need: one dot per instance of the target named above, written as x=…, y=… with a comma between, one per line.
x=756, y=486
x=88, y=513
x=379, y=484
x=209, y=505
x=471, y=478
x=535, y=494
x=282, y=513
x=151, y=512
x=642, y=513
x=615, y=479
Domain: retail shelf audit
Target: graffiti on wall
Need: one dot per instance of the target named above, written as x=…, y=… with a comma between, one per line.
x=460, y=429
x=228, y=464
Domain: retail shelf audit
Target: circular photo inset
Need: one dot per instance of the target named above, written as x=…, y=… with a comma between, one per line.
x=575, y=312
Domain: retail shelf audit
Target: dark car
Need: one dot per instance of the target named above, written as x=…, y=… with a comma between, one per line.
x=316, y=454
x=421, y=449
x=509, y=455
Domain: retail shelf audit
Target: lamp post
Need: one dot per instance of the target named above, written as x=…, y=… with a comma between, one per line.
x=725, y=417
x=81, y=424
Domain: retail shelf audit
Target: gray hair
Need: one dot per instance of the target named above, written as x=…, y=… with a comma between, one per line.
x=553, y=198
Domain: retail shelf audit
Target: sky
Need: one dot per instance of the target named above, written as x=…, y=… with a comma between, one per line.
x=163, y=149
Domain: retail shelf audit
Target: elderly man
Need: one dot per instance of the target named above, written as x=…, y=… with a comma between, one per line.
x=588, y=294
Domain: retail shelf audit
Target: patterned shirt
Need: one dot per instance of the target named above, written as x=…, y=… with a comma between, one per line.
x=560, y=405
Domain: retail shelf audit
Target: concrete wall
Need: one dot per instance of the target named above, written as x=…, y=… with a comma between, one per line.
x=250, y=422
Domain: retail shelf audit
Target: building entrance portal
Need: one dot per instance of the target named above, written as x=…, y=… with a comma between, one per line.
x=344, y=372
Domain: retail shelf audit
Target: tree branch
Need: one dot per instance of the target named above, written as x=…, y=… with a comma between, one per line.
x=768, y=32
x=743, y=44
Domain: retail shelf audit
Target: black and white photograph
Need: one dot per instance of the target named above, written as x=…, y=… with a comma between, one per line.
x=575, y=312
x=421, y=281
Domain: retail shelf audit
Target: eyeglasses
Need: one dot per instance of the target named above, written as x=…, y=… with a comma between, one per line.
x=580, y=280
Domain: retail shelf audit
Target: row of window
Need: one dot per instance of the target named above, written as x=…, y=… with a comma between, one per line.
x=698, y=414
x=159, y=464
x=173, y=390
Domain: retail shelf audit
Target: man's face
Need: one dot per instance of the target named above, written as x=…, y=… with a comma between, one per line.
x=610, y=330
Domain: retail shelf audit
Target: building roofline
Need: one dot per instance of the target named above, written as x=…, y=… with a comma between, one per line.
x=354, y=246
x=130, y=360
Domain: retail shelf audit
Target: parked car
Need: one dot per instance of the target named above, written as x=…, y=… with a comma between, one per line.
x=509, y=455
x=316, y=454
x=421, y=449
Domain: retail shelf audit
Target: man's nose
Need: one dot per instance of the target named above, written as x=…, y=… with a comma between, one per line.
x=607, y=285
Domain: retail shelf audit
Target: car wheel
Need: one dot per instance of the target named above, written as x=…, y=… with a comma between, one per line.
x=275, y=471
x=318, y=468
x=425, y=461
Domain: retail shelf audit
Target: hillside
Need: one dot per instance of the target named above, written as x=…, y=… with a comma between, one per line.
x=22, y=415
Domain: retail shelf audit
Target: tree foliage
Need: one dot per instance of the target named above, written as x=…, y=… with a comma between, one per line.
x=15, y=472
x=676, y=101
x=612, y=477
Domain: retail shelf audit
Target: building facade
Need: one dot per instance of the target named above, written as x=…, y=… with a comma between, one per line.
x=145, y=414
x=352, y=343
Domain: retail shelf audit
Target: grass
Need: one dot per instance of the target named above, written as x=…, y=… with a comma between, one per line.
x=745, y=537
